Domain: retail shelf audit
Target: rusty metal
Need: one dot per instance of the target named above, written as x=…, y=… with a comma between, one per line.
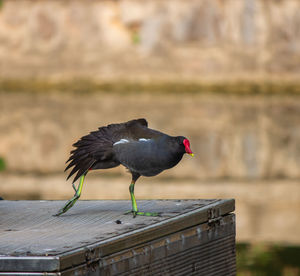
x=186, y=240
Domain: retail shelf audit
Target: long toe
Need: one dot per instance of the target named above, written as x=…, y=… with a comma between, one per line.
x=67, y=206
x=63, y=209
x=146, y=214
x=149, y=214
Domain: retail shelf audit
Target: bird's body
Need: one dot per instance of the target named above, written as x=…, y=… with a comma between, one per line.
x=147, y=157
x=143, y=151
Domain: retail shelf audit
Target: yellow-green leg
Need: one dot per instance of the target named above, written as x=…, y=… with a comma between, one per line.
x=134, y=210
x=133, y=201
x=76, y=196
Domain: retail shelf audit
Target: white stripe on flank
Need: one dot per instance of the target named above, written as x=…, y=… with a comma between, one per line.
x=144, y=140
x=122, y=141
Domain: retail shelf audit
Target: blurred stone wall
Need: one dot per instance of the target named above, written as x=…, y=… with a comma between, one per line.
x=234, y=137
x=248, y=137
x=191, y=39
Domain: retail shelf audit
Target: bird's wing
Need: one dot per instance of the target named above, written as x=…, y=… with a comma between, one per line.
x=97, y=146
x=132, y=130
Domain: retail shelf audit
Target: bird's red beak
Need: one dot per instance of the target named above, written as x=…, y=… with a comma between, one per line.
x=188, y=150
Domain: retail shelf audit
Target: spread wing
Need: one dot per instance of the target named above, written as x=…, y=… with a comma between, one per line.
x=95, y=150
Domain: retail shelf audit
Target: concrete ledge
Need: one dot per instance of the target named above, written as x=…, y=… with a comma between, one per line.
x=239, y=85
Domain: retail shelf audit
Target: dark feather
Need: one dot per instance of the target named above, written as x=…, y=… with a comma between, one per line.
x=95, y=150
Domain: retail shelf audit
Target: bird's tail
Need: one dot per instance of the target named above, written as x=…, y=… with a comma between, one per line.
x=89, y=150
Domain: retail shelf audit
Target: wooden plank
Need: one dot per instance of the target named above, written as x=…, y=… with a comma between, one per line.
x=199, y=250
x=29, y=233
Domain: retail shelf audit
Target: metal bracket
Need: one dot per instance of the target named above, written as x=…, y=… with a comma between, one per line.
x=214, y=216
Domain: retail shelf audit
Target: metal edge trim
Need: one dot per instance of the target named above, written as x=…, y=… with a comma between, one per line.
x=18, y=264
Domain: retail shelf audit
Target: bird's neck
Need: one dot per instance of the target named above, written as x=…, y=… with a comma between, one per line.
x=169, y=151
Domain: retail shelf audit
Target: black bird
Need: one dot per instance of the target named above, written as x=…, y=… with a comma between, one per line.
x=143, y=151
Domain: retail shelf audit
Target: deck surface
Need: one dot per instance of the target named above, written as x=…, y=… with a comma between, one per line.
x=30, y=232
x=29, y=227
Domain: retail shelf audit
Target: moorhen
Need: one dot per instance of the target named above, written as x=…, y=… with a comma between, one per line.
x=143, y=151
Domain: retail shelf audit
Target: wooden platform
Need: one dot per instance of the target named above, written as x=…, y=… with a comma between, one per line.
x=96, y=236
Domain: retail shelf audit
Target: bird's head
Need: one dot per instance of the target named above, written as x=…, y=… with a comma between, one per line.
x=185, y=143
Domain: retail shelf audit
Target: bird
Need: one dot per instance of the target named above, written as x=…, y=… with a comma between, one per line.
x=142, y=150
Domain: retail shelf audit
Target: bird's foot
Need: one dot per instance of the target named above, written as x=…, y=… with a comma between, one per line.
x=68, y=205
x=147, y=214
